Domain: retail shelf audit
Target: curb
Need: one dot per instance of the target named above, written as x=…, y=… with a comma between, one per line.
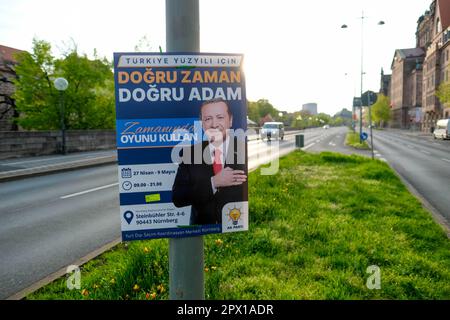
x=61, y=272
x=72, y=165
x=435, y=214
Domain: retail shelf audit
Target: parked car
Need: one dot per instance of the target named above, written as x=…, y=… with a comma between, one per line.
x=326, y=126
x=272, y=130
x=442, y=129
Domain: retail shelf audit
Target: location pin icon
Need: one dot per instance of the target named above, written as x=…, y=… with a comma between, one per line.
x=128, y=216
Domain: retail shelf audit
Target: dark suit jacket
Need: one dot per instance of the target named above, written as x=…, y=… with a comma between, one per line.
x=192, y=187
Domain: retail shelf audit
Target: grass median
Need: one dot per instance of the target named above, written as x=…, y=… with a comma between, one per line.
x=352, y=140
x=315, y=229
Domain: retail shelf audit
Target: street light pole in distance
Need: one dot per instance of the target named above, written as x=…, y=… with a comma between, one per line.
x=61, y=84
x=344, y=26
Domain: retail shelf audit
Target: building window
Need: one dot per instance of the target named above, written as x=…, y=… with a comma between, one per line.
x=438, y=26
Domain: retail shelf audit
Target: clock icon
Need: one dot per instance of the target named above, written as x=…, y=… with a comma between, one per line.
x=127, y=185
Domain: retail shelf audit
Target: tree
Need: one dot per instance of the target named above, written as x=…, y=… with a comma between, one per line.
x=338, y=121
x=381, y=111
x=88, y=101
x=443, y=92
x=261, y=108
x=323, y=118
x=266, y=108
x=253, y=111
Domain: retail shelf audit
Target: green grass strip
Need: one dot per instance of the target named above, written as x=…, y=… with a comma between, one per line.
x=315, y=228
x=352, y=140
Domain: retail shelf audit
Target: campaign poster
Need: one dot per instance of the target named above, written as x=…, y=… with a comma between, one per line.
x=181, y=144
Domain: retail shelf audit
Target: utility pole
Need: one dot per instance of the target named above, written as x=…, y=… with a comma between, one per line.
x=61, y=84
x=370, y=123
x=362, y=75
x=344, y=26
x=186, y=258
x=63, y=124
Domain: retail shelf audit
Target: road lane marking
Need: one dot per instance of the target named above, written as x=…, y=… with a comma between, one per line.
x=308, y=146
x=53, y=165
x=426, y=152
x=446, y=160
x=90, y=190
x=89, y=157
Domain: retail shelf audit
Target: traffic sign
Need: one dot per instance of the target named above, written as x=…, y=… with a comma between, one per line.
x=369, y=98
x=364, y=136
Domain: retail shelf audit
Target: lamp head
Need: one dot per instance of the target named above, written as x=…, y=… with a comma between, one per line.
x=61, y=84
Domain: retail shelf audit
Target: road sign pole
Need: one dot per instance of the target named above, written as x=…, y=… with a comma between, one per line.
x=362, y=75
x=63, y=124
x=370, y=123
x=186, y=261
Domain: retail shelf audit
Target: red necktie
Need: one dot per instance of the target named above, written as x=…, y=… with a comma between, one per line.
x=217, y=164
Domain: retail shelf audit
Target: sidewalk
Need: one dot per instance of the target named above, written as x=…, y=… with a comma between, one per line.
x=415, y=133
x=11, y=169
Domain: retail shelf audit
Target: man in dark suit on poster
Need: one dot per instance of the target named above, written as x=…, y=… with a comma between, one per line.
x=221, y=175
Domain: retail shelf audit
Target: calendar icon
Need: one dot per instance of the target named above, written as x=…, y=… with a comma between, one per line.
x=126, y=173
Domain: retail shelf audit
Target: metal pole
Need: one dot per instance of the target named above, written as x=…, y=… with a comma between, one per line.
x=63, y=125
x=353, y=117
x=370, y=124
x=186, y=261
x=362, y=75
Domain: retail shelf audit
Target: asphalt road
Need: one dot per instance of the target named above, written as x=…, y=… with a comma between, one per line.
x=334, y=140
x=41, y=232
x=422, y=161
x=48, y=222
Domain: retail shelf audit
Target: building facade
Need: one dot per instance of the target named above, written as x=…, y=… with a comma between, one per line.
x=433, y=36
x=385, y=83
x=406, y=88
x=311, y=108
x=418, y=72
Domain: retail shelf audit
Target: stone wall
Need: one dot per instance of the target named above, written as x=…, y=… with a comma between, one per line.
x=32, y=143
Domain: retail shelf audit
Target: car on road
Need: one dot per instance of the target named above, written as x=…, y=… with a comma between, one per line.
x=442, y=129
x=326, y=126
x=272, y=130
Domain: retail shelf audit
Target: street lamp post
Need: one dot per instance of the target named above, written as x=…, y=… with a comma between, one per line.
x=344, y=26
x=61, y=85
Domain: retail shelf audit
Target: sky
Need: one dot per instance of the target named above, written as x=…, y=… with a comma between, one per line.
x=295, y=50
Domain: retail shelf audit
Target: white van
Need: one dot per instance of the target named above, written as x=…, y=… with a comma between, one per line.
x=272, y=130
x=442, y=129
